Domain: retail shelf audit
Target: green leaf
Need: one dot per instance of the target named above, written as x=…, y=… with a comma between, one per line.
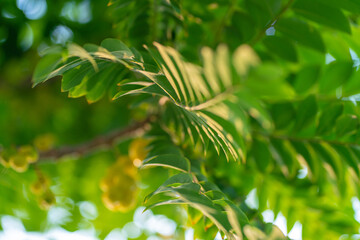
x=236, y=218
x=352, y=86
x=307, y=152
x=306, y=78
x=337, y=46
x=349, y=157
x=46, y=65
x=322, y=14
x=355, y=152
x=262, y=11
x=207, y=127
x=328, y=155
x=170, y=161
x=173, y=181
x=268, y=81
x=306, y=113
x=283, y=114
x=99, y=83
x=328, y=118
x=77, y=51
x=117, y=48
x=349, y=5
x=189, y=193
x=255, y=108
x=243, y=27
x=282, y=47
x=178, y=179
x=261, y=154
x=336, y=73
x=214, y=194
x=233, y=136
x=75, y=76
x=194, y=215
x=346, y=125
x=301, y=32
x=150, y=89
x=285, y=155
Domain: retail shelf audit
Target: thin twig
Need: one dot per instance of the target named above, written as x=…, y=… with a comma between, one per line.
x=271, y=23
x=104, y=141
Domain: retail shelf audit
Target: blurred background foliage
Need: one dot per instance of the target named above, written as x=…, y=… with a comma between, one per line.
x=44, y=114
x=297, y=65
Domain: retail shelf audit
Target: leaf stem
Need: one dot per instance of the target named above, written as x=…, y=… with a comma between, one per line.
x=217, y=99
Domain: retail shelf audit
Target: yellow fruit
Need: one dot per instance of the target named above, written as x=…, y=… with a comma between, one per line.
x=114, y=205
x=19, y=163
x=29, y=153
x=115, y=179
x=137, y=149
x=130, y=170
x=119, y=185
x=125, y=165
x=105, y=184
x=120, y=200
x=108, y=181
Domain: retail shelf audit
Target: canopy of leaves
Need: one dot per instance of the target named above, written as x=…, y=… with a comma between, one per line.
x=235, y=96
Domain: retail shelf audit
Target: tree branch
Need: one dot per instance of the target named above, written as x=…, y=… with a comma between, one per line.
x=104, y=141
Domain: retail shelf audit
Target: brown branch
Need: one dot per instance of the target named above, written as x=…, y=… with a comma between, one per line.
x=104, y=141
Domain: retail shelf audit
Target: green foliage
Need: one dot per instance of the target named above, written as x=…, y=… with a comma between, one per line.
x=237, y=96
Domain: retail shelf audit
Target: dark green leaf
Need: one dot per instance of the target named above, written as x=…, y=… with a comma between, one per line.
x=75, y=76
x=336, y=73
x=284, y=154
x=301, y=32
x=282, y=47
x=337, y=46
x=263, y=11
x=261, y=153
x=309, y=156
x=328, y=118
x=45, y=66
x=347, y=125
x=322, y=14
x=283, y=114
x=328, y=155
x=117, y=47
x=306, y=113
x=350, y=158
x=352, y=86
x=306, y=78
x=349, y=5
